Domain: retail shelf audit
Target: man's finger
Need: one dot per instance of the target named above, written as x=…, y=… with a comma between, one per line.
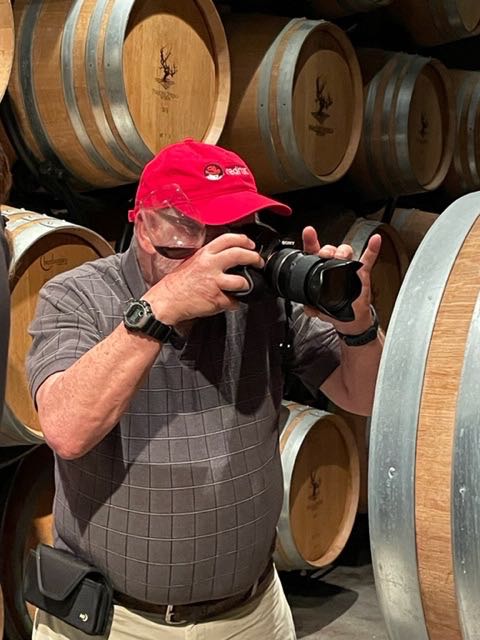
x=371, y=253
x=235, y=256
x=327, y=251
x=344, y=252
x=230, y=240
x=311, y=243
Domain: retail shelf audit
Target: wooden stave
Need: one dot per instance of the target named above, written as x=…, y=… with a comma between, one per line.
x=464, y=173
x=280, y=130
x=360, y=427
x=412, y=226
x=103, y=158
x=216, y=34
x=8, y=157
x=443, y=17
x=287, y=555
x=7, y=44
x=390, y=74
x=340, y=8
x=465, y=483
x=264, y=108
x=26, y=233
x=357, y=236
x=410, y=606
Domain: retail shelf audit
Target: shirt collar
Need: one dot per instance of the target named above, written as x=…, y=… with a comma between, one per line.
x=132, y=272
x=137, y=285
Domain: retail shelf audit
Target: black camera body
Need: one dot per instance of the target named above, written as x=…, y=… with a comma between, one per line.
x=329, y=285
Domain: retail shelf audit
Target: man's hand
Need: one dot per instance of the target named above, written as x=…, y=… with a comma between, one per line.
x=198, y=286
x=361, y=306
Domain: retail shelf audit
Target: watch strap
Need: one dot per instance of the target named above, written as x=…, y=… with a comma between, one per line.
x=360, y=339
x=153, y=328
x=158, y=330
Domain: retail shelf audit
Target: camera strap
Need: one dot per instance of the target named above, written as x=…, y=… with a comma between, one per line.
x=286, y=346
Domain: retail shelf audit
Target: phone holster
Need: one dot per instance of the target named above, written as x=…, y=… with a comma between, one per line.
x=69, y=589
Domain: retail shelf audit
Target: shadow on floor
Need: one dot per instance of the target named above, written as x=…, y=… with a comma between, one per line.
x=315, y=602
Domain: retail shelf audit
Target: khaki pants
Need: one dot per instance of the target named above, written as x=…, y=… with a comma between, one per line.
x=266, y=618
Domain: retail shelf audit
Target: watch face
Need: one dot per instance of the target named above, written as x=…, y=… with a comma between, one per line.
x=136, y=316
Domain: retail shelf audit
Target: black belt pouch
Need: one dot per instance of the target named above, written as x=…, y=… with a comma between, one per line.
x=69, y=589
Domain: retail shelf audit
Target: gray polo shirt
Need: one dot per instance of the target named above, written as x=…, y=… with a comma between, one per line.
x=180, y=501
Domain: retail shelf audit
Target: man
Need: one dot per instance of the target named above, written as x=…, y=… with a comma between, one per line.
x=168, y=472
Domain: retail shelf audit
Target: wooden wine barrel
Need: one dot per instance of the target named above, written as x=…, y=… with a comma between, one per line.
x=102, y=86
x=6, y=162
x=5, y=177
x=7, y=44
x=391, y=266
x=408, y=135
x=387, y=276
x=320, y=471
x=424, y=444
x=360, y=428
x=296, y=107
x=7, y=149
x=338, y=8
x=412, y=226
x=27, y=522
x=43, y=248
x=464, y=173
x=431, y=23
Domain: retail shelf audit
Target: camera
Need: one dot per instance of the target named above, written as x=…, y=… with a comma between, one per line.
x=329, y=285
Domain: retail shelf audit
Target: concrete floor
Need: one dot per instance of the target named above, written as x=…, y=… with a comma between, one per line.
x=341, y=605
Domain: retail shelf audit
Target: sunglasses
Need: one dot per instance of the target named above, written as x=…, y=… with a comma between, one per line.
x=176, y=253
x=212, y=232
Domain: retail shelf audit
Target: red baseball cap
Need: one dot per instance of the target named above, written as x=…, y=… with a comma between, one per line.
x=218, y=184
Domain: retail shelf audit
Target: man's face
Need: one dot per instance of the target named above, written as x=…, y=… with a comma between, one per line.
x=165, y=261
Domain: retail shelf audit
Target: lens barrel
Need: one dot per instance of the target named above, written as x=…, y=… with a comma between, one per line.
x=328, y=285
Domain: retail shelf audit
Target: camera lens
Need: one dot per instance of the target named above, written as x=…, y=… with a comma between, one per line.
x=328, y=285
x=333, y=285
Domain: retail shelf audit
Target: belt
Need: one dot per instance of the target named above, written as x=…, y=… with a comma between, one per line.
x=182, y=614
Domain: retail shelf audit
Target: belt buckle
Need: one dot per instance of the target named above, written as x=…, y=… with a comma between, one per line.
x=169, y=614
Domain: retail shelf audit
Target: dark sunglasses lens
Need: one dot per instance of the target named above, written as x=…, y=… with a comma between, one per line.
x=176, y=253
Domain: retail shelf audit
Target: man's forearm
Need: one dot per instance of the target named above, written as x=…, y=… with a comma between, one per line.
x=352, y=385
x=80, y=406
x=359, y=370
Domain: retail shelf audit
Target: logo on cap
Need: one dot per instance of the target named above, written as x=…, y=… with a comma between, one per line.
x=237, y=171
x=213, y=171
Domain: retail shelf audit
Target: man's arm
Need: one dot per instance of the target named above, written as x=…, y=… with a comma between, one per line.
x=352, y=385
x=79, y=406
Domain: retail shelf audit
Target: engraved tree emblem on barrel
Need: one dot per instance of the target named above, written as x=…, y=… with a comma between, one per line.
x=424, y=126
x=323, y=102
x=167, y=69
x=315, y=486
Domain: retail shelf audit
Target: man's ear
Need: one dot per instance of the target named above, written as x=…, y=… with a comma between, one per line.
x=142, y=238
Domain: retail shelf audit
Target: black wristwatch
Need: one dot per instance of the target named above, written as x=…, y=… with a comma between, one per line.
x=359, y=339
x=138, y=316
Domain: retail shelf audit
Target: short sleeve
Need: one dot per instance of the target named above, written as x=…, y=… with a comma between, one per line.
x=64, y=329
x=316, y=349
